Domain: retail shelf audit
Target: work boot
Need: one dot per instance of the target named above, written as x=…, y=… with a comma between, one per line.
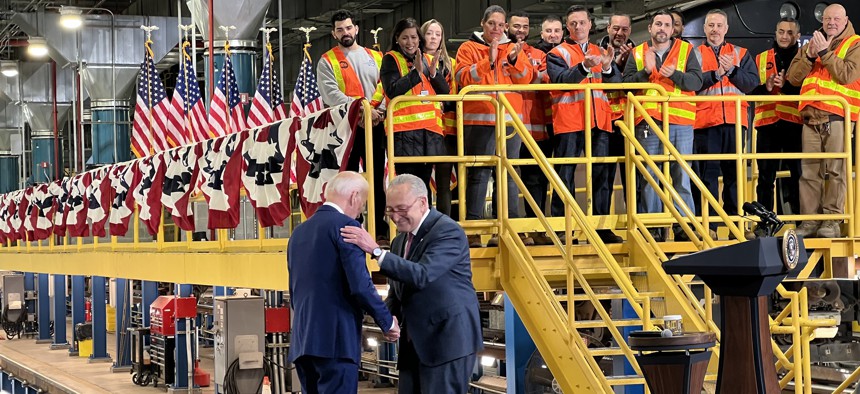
x=527, y=240
x=609, y=237
x=475, y=241
x=541, y=239
x=829, y=229
x=494, y=241
x=808, y=229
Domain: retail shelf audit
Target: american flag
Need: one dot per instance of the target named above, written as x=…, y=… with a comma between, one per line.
x=187, y=110
x=150, y=112
x=306, y=97
x=226, y=114
x=268, y=103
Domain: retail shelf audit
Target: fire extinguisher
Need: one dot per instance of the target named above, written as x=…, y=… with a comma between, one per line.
x=88, y=310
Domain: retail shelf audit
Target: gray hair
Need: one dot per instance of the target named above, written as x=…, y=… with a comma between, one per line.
x=344, y=183
x=492, y=10
x=415, y=184
x=718, y=12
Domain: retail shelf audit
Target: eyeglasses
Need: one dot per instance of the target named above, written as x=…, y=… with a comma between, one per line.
x=400, y=210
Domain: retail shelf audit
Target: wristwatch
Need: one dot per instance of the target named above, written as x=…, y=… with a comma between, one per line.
x=376, y=253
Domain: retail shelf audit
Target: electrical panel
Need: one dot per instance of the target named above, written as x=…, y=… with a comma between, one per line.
x=239, y=342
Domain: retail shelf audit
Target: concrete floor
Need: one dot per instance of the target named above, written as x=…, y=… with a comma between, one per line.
x=80, y=376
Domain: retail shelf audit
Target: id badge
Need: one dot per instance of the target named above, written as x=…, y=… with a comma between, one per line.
x=424, y=93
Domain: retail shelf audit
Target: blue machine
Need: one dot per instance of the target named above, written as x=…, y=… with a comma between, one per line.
x=9, y=173
x=43, y=157
x=244, y=58
x=103, y=135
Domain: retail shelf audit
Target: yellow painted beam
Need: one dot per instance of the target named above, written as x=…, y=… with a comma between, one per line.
x=262, y=270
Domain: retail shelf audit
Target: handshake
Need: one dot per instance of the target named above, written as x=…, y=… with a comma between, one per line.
x=394, y=333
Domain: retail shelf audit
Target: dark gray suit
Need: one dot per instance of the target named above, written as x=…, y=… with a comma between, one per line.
x=433, y=295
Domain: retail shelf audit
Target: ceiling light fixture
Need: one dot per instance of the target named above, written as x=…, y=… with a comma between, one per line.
x=38, y=47
x=70, y=17
x=9, y=68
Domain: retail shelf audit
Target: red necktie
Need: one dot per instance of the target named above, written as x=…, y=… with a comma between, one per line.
x=408, y=245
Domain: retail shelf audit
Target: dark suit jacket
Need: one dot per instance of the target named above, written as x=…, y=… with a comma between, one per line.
x=432, y=291
x=329, y=288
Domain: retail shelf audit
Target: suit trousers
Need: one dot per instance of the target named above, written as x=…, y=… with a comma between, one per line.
x=451, y=378
x=481, y=140
x=534, y=179
x=816, y=196
x=573, y=145
x=444, y=192
x=713, y=140
x=357, y=155
x=320, y=375
x=782, y=136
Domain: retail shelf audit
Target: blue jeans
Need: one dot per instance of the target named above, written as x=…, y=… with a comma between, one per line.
x=682, y=138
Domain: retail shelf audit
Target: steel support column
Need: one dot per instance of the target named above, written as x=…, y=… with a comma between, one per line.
x=122, y=359
x=621, y=309
x=43, y=312
x=61, y=341
x=518, y=349
x=182, y=337
x=149, y=290
x=99, y=302
x=78, y=309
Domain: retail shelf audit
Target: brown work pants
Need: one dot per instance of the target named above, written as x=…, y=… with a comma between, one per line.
x=816, y=196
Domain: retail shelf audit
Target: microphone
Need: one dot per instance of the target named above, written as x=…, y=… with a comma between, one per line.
x=768, y=218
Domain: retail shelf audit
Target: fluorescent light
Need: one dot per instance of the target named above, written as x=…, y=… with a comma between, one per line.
x=372, y=342
x=38, y=47
x=8, y=68
x=488, y=361
x=70, y=17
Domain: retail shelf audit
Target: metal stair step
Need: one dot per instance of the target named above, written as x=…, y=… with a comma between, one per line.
x=610, y=296
x=592, y=271
x=605, y=351
x=624, y=380
x=616, y=322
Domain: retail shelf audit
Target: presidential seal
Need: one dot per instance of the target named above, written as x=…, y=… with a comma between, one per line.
x=790, y=249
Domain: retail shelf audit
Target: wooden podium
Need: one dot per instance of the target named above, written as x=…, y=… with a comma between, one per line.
x=674, y=365
x=744, y=275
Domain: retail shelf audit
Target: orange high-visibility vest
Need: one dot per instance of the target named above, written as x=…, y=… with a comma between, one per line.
x=769, y=112
x=347, y=80
x=714, y=113
x=569, y=107
x=680, y=113
x=474, y=69
x=819, y=82
x=534, y=114
x=415, y=115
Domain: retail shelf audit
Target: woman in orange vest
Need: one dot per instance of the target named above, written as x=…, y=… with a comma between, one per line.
x=417, y=124
x=434, y=43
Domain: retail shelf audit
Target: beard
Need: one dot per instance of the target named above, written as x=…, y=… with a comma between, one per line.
x=347, y=41
x=660, y=38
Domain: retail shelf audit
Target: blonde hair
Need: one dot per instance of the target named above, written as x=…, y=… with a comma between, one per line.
x=445, y=60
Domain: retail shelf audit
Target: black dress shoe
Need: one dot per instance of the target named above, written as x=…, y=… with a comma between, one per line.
x=608, y=237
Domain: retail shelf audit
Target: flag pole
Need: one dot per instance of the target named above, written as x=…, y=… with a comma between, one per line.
x=226, y=30
x=184, y=55
x=375, y=33
x=307, y=31
x=270, y=60
x=148, y=48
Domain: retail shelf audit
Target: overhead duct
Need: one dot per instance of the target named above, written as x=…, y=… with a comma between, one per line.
x=247, y=16
x=37, y=96
x=110, y=51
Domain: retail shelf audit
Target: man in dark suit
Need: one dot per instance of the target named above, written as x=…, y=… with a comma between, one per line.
x=329, y=288
x=431, y=291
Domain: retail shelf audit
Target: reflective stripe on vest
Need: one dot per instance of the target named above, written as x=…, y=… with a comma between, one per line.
x=713, y=113
x=415, y=115
x=569, y=106
x=769, y=112
x=348, y=82
x=820, y=82
x=680, y=113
